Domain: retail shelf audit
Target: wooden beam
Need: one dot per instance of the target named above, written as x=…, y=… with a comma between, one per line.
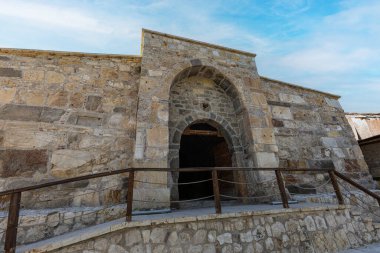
x=201, y=132
x=13, y=214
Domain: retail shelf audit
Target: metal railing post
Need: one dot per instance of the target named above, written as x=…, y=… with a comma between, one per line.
x=215, y=185
x=131, y=180
x=335, y=185
x=281, y=186
x=13, y=214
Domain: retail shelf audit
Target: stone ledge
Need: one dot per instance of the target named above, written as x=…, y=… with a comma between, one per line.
x=116, y=225
x=300, y=87
x=36, y=52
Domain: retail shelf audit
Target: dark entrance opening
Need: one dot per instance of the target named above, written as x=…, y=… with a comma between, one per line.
x=203, y=146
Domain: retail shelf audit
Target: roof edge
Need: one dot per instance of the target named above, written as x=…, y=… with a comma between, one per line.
x=369, y=140
x=35, y=52
x=200, y=42
x=301, y=87
x=363, y=114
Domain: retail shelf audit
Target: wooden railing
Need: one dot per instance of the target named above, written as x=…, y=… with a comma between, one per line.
x=15, y=194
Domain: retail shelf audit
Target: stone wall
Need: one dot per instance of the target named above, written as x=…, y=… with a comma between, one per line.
x=371, y=152
x=311, y=131
x=36, y=225
x=294, y=230
x=64, y=115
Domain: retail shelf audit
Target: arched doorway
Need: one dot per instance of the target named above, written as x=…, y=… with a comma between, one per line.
x=202, y=145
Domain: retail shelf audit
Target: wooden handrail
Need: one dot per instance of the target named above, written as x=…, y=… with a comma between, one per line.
x=120, y=171
x=353, y=183
x=14, y=207
x=281, y=186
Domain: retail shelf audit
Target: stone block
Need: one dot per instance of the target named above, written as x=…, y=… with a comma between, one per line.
x=325, y=164
x=93, y=103
x=157, y=136
x=280, y=112
x=132, y=237
x=196, y=62
x=266, y=160
x=90, y=121
x=10, y=72
x=333, y=103
x=53, y=77
x=259, y=100
x=4, y=58
x=117, y=120
x=306, y=116
x=22, y=162
x=67, y=162
x=33, y=97
x=30, y=113
x=329, y=142
x=76, y=100
x=263, y=135
x=158, y=235
x=51, y=115
x=152, y=198
x=7, y=95
x=59, y=99
x=34, y=75
x=290, y=98
x=20, y=112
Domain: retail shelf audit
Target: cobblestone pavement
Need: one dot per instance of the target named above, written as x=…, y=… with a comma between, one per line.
x=372, y=248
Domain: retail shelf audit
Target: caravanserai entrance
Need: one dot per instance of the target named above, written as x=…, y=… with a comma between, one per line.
x=202, y=145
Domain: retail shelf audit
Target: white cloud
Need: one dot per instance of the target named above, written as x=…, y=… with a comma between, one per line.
x=52, y=16
x=323, y=60
x=341, y=42
x=289, y=8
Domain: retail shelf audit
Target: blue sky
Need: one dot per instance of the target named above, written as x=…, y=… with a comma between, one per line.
x=333, y=46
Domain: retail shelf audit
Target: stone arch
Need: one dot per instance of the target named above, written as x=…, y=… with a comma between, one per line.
x=240, y=141
x=234, y=151
x=200, y=67
x=221, y=124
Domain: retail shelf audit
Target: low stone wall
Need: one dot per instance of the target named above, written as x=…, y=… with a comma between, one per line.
x=321, y=229
x=35, y=225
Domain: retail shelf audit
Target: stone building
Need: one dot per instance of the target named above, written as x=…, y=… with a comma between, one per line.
x=366, y=127
x=181, y=103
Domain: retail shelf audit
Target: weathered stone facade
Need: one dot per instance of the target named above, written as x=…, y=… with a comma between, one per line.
x=64, y=115
x=69, y=114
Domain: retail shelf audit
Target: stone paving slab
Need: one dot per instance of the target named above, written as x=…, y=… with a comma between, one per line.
x=372, y=248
